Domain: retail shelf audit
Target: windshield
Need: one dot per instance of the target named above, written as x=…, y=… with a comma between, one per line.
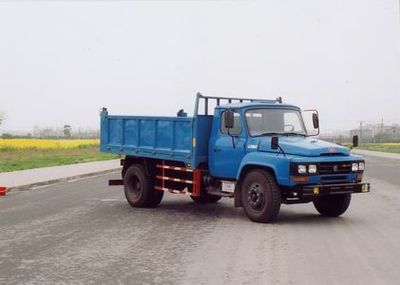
x=274, y=121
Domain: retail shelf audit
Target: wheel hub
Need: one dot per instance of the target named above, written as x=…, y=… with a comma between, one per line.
x=255, y=196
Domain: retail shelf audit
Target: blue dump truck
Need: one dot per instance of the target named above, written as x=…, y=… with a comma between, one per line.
x=258, y=152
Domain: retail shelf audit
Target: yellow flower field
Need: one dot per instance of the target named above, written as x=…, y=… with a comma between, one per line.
x=23, y=144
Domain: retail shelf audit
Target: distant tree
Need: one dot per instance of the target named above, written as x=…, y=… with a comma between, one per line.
x=46, y=133
x=2, y=117
x=7, y=136
x=67, y=131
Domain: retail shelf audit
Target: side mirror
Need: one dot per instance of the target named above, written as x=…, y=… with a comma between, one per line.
x=355, y=141
x=311, y=121
x=274, y=142
x=229, y=119
x=315, y=120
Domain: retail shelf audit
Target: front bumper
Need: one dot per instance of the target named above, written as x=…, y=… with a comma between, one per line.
x=332, y=189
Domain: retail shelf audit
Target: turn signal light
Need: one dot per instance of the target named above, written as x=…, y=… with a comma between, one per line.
x=299, y=178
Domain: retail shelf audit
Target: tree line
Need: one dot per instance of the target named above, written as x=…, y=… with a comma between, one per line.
x=64, y=132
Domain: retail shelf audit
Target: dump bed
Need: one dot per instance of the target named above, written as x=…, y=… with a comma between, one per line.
x=182, y=139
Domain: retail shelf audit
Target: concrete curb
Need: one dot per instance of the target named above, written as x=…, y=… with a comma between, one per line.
x=59, y=180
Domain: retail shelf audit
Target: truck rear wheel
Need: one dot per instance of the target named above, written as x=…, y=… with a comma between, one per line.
x=139, y=188
x=332, y=206
x=261, y=197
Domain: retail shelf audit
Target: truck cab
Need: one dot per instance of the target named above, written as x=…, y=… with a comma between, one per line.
x=260, y=152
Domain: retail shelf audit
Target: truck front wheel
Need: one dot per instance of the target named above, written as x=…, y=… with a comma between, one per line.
x=139, y=188
x=261, y=197
x=332, y=206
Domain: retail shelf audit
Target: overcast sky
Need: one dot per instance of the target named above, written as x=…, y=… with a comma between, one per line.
x=60, y=62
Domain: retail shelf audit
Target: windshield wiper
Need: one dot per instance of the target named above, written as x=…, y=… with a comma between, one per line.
x=268, y=134
x=293, y=134
x=276, y=133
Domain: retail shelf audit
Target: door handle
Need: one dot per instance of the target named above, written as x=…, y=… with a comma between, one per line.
x=215, y=149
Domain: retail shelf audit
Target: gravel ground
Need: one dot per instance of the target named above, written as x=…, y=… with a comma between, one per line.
x=83, y=232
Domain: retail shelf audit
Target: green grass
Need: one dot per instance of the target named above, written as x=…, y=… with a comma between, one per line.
x=384, y=147
x=12, y=160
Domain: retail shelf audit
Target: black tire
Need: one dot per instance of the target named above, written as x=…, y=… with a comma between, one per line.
x=261, y=196
x=206, y=198
x=139, y=188
x=332, y=206
x=156, y=198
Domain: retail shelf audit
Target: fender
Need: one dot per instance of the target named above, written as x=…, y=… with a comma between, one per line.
x=149, y=164
x=279, y=164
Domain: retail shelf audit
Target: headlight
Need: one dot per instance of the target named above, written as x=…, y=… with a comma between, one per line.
x=361, y=166
x=312, y=168
x=301, y=169
x=354, y=166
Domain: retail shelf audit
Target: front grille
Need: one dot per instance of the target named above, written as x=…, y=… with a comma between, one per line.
x=334, y=167
x=333, y=178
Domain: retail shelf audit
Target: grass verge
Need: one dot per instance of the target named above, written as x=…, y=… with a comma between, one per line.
x=384, y=147
x=12, y=160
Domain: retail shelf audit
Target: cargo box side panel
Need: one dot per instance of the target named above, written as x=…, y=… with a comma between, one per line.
x=116, y=132
x=165, y=135
x=153, y=137
x=147, y=135
x=183, y=138
x=131, y=130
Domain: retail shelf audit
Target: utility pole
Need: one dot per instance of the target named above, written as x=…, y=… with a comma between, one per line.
x=360, y=132
x=381, y=136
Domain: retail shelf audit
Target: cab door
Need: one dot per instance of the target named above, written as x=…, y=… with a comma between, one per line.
x=227, y=146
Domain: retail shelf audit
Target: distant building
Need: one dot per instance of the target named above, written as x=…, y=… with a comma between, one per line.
x=377, y=132
x=364, y=134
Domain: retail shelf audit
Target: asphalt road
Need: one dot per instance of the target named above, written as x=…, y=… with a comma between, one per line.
x=84, y=232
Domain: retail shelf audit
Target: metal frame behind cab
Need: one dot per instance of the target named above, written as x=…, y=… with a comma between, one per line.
x=229, y=100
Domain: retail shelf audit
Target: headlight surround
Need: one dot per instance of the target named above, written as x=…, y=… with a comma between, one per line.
x=304, y=168
x=301, y=169
x=312, y=168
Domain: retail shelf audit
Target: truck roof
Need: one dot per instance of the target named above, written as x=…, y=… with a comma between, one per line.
x=255, y=104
